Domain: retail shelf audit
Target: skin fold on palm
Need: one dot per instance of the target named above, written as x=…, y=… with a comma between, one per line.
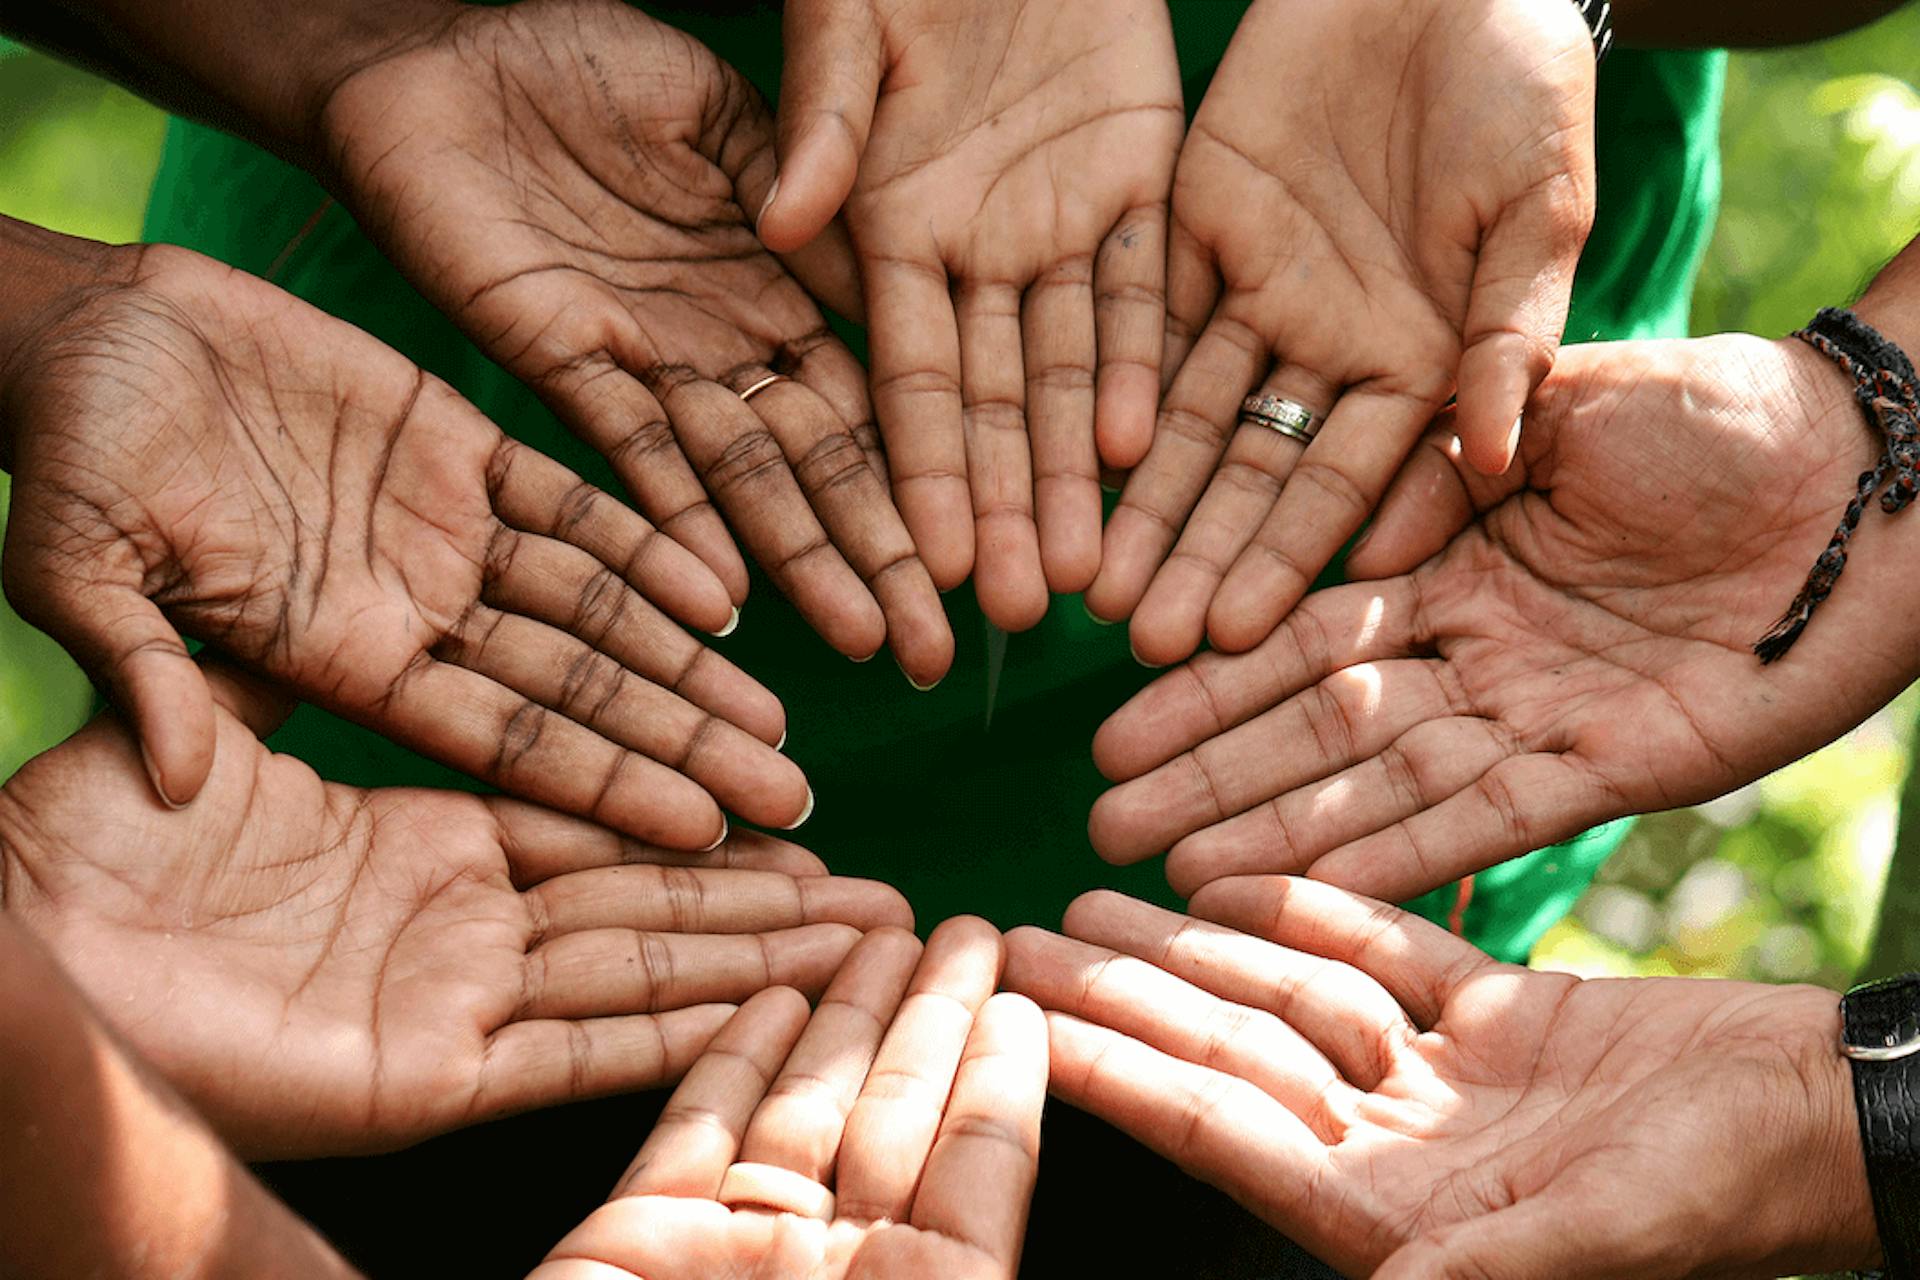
x=323, y=969
x=566, y=180
x=1378, y=204
x=1575, y=643
x=1005, y=174
x=913, y=1093
x=1386, y=1094
x=195, y=442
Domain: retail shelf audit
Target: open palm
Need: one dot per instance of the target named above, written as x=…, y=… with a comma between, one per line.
x=566, y=180
x=324, y=969
x=1009, y=166
x=1368, y=1083
x=1377, y=202
x=905, y=1111
x=1580, y=650
x=196, y=448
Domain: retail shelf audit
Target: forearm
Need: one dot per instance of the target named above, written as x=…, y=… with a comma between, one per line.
x=103, y=1171
x=1707, y=24
x=258, y=68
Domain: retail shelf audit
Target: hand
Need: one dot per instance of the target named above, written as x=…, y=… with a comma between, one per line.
x=284, y=487
x=1378, y=203
x=565, y=179
x=1009, y=213
x=1581, y=651
x=1386, y=1094
x=323, y=969
x=918, y=1147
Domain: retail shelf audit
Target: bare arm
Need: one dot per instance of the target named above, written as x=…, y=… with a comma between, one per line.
x=105, y=1171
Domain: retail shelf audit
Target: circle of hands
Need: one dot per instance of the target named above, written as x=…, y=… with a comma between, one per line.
x=1062, y=283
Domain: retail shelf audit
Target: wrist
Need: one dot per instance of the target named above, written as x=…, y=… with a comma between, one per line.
x=349, y=38
x=43, y=276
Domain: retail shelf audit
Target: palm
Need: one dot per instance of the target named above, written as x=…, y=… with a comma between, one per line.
x=1368, y=1083
x=1006, y=148
x=565, y=180
x=288, y=489
x=345, y=969
x=1366, y=193
x=1579, y=652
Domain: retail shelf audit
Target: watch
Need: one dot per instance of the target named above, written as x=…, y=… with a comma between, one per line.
x=1598, y=15
x=1880, y=1035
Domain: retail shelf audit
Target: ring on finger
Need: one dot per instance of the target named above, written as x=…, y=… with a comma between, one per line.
x=762, y=385
x=1289, y=417
x=750, y=1185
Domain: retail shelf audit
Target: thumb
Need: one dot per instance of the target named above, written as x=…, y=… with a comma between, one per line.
x=829, y=80
x=1517, y=309
x=260, y=706
x=124, y=643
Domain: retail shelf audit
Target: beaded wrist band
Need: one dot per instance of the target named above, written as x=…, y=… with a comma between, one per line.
x=1885, y=385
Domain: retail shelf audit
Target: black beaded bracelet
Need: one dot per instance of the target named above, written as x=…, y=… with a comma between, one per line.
x=1885, y=386
x=1598, y=15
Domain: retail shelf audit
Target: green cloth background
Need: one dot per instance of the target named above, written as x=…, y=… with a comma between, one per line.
x=974, y=797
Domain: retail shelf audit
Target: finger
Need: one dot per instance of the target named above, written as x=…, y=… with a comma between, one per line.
x=1342, y=1013
x=798, y=1125
x=540, y=844
x=822, y=362
x=598, y=973
x=609, y=409
x=1333, y=489
x=121, y=639
x=1195, y=421
x=1057, y=333
x=699, y=1130
x=1420, y=964
x=1007, y=576
x=1170, y=621
x=1522, y=285
x=1223, y=1130
x=592, y=690
x=1331, y=629
x=1147, y=1003
x=915, y=360
x=979, y=1181
x=533, y=493
x=463, y=719
x=1352, y=715
x=744, y=467
x=1130, y=318
x=1293, y=831
x=893, y=1125
x=1425, y=507
x=832, y=58
x=260, y=706
x=528, y=1065
x=708, y=900
x=1524, y=802
x=851, y=500
x=554, y=583
x=1193, y=288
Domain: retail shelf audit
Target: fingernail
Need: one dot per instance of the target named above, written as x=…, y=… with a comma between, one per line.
x=766, y=204
x=721, y=839
x=782, y=744
x=153, y=777
x=733, y=622
x=923, y=688
x=1105, y=622
x=804, y=813
x=1513, y=444
x=1151, y=666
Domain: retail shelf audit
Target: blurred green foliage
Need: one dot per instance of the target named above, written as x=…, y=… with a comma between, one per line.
x=1778, y=882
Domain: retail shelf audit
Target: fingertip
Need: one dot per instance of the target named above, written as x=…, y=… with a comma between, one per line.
x=1235, y=629
x=1125, y=404
x=1110, y=827
x=811, y=185
x=1085, y=911
x=175, y=723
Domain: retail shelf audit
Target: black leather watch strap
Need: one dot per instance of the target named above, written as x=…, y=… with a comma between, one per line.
x=1598, y=15
x=1882, y=1033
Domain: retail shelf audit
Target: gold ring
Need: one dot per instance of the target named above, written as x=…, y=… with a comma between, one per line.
x=762, y=385
x=766, y=1186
